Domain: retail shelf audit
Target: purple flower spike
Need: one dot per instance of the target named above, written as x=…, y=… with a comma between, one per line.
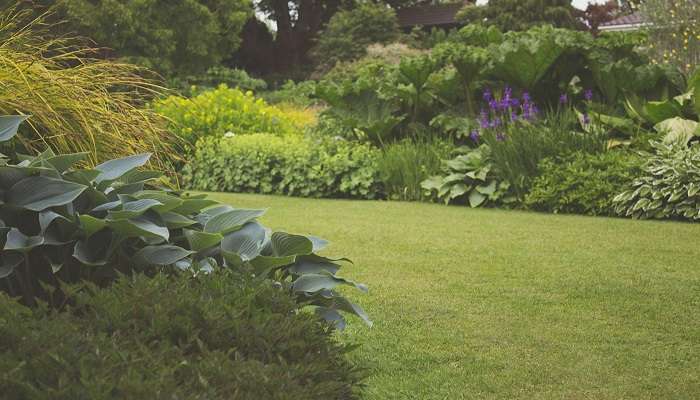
x=508, y=92
x=563, y=99
x=474, y=136
x=588, y=95
x=493, y=104
x=514, y=103
x=487, y=95
x=497, y=122
x=500, y=136
x=526, y=98
x=513, y=116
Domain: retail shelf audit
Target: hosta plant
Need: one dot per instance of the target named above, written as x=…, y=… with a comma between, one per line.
x=59, y=223
x=469, y=176
x=669, y=186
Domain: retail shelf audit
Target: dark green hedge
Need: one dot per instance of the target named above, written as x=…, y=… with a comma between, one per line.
x=215, y=337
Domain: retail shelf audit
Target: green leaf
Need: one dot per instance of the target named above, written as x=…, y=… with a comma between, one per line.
x=161, y=255
x=139, y=226
x=193, y=206
x=246, y=243
x=134, y=208
x=199, y=241
x=312, y=283
x=285, y=244
x=114, y=169
x=476, y=199
x=96, y=250
x=91, y=225
x=175, y=221
x=64, y=161
x=168, y=202
x=18, y=241
x=657, y=111
x=9, y=125
x=231, y=220
x=487, y=190
x=8, y=262
x=38, y=193
x=677, y=130
x=313, y=264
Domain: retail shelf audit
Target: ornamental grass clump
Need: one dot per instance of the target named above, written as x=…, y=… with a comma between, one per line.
x=79, y=103
x=59, y=223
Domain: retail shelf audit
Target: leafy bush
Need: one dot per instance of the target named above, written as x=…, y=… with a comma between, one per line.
x=404, y=165
x=217, y=112
x=293, y=166
x=669, y=186
x=78, y=103
x=349, y=32
x=582, y=183
x=216, y=76
x=469, y=176
x=220, y=336
x=59, y=224
x=295, y=93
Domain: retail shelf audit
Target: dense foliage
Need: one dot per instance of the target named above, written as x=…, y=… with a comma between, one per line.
x=219, y=336
x=294, y=166
x=214, y=113
x=216, y=76
x=349, y=32
x=582, y=183
x=78, y=103
x=470, y=177
x=174, y=38
x=519, y=15
x=668, y=187
x=61, y=224
x=677, y=42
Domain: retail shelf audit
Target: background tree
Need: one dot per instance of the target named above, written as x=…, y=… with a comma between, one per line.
x=518, y=15
x=597, y=14
x=674, y=31
x=349, y=32
x=173, y=37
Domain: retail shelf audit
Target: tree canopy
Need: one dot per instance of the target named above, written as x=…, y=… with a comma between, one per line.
x=518, y=15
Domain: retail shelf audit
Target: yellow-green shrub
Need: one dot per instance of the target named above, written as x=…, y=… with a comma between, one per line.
x=216, y=112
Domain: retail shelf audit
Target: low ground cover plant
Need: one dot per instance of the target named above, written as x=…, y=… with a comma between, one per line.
x=582, y=183
x=294, y=166
x=219, y=336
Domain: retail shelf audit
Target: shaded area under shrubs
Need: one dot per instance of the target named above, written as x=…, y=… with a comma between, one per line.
x=214, y=337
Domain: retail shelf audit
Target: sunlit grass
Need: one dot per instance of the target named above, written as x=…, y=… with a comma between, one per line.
x=491, y=304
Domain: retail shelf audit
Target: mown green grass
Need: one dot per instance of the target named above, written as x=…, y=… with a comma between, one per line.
x=491, y=304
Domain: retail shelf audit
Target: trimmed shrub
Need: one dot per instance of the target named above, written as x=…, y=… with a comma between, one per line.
x=293, y=166
x=668, y=187
x=216, y=112
x=219, y=336
x=582, y=183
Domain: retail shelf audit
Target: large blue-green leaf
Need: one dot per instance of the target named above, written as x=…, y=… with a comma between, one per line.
x=331, y=315
x=96, y=250
x=313, y=264
x=229, y=221
x=133, y=209
x=199, y=241
x=285, y=244
x=193, y=205
x=168, y=201
x=175, y=221
x=8, y=262
x=312, y=283
x=114, y=169
x=64, y=161
x=161, y=255
x=18, y=241
x=9, y=125
x=140, y=226
x=38, y=193
x=246, y=243
x=91, y=225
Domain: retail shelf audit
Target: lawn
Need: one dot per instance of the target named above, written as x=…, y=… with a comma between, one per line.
x=492, y=304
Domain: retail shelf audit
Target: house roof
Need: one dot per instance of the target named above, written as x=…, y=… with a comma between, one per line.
x=625, y=22
x=431, y=15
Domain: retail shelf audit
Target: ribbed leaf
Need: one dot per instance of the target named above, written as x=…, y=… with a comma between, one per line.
x=285, y=244
x=114, y=169
x=161, y=255
x=193, y=206
x=312, y=283
x=38, y=193
x=8, y=262
x=199, y=241
x=313, y=264
x=134, y=208
x=64, y=161
x=139, y=226
x=231, y=220
x=91, y=225
x=175, y=221
x=246, y=243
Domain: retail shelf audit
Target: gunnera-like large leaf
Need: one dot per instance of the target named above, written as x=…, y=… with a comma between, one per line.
x=38, y=193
